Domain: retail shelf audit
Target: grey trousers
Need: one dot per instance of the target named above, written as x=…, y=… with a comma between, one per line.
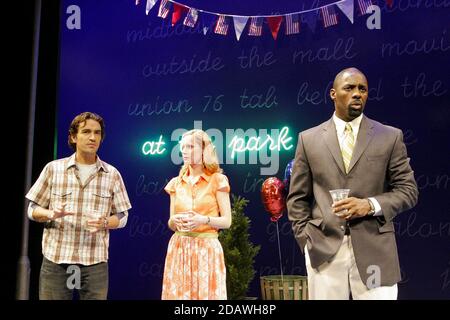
x=59, y=281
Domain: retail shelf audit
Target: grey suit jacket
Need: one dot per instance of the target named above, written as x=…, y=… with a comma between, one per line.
x=379, y=168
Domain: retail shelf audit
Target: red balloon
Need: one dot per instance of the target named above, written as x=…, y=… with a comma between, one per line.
x=273, y=197
x=276, y=217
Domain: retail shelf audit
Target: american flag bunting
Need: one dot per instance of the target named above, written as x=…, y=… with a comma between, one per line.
x=255, y=28
x=329, y=16
x=222, y=25
x=292, y=24
x=191, y=18
x=164, y=8
x=363, y=5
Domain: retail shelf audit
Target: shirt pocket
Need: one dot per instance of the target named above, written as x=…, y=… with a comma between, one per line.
x=100, y=204
x=59, y=198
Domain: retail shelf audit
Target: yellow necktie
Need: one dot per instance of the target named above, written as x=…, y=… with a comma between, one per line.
x=347, y=146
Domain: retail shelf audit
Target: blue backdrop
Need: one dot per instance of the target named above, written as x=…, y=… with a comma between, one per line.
x=149, y=80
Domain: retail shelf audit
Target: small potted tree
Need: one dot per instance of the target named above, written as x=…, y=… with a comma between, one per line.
x=239, y=251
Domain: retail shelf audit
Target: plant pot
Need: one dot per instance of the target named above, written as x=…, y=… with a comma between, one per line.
x=292, y=287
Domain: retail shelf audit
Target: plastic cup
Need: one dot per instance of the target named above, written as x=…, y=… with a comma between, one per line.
x=86, y=218
x=337, y=195
x=184, y=216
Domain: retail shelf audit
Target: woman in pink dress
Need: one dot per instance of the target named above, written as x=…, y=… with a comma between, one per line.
x=199, y=207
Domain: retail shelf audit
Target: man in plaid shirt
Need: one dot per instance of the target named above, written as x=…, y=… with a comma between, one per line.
x=79, y=199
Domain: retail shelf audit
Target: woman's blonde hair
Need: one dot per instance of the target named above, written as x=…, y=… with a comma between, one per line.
x=209, y=156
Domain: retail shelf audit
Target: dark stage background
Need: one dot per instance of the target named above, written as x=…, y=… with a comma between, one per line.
x=114, y=66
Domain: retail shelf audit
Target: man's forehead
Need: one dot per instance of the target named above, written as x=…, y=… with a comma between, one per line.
x=90, y=123
x=352, y=77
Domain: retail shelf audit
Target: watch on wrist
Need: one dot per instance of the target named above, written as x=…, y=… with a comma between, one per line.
x=372, y=208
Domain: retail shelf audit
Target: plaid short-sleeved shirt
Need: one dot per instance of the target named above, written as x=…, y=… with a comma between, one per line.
x=66, y=240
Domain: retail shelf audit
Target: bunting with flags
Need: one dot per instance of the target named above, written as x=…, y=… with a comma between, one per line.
x=329, y=17
x=191, y=18
x=274, y=25
x=178, y=11
x=363, y=5
x=239, y=25
x=255, y=26
x=346, y=8
x=164, y=8
x=292, y=24
x=149, y=5
x=293, y=20
x=222, y=25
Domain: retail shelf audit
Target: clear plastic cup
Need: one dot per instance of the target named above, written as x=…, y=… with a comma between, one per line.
x=184, y=216
x=86, y=218
x=337, y=195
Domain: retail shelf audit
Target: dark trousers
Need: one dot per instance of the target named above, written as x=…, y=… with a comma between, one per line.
x=58, y=281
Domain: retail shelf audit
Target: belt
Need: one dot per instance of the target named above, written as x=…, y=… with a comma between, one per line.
x=197, y=234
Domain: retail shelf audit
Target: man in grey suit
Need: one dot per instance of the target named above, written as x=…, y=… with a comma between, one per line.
x=349, y=245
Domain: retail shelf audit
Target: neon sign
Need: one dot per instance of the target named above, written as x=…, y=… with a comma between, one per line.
x=236, y=145
x=153, y=148
x=254, y=143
